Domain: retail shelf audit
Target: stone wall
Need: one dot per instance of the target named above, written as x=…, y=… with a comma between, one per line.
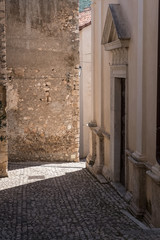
x=43, y=83
x=3, y=139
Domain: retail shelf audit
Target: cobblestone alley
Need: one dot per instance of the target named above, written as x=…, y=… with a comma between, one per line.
x=63, y=201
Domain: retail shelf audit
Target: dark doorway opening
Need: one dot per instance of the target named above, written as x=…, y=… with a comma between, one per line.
x=119, y=129
x=122, y=134
x=158, y=95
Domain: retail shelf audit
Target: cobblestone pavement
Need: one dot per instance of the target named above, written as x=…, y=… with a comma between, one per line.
x=63, y=202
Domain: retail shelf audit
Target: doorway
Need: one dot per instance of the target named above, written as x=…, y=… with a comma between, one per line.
x=122, y=145
x=119, y=129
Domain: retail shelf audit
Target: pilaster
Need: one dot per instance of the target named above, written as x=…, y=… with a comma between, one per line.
x=139, y=152
x=154, y=176
x=95, y=159
x=137, y=184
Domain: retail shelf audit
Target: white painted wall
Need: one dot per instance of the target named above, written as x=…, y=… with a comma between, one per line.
x=85, y=89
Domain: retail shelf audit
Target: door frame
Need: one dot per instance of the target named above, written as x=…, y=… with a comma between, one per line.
x=117, y=73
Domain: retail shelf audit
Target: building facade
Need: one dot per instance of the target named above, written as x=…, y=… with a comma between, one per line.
x=124, y=101
x=85, y=78
x=40, y=55
x=3, y=78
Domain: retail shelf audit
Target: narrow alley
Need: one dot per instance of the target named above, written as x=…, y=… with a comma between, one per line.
x=51, y=201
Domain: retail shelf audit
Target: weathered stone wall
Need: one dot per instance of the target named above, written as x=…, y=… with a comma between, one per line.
x=43, y=83
x=3, y=138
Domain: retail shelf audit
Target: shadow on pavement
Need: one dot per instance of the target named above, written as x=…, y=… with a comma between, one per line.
x=72, y=206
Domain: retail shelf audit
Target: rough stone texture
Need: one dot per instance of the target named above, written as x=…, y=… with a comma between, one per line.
x=63, y=201
x=43, y=84
x=3, y=138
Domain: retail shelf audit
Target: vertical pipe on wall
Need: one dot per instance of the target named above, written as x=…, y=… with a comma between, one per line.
x=158, y=94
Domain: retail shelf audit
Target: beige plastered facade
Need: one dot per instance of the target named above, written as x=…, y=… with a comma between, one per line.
x=85, y=88
x=126, y=50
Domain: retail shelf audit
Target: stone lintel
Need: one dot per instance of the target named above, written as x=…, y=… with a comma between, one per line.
x=116, y=44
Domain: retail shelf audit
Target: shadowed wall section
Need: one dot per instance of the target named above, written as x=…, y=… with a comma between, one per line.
x=43, y=85
x=3, y=138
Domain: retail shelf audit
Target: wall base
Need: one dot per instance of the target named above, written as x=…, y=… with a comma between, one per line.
x=96, y=173
x=3, y=170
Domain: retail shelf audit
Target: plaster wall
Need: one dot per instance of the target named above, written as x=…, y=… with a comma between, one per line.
x=106, y=60
x=142, y=173
x=97, y=62
x=145, y=186
x=150, y=77
x=130, y=10
x=85, y=89
x=43, y=83
x=138, y=121
x=101, y=74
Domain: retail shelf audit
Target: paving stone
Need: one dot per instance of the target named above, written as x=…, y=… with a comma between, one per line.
x=67, y=203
